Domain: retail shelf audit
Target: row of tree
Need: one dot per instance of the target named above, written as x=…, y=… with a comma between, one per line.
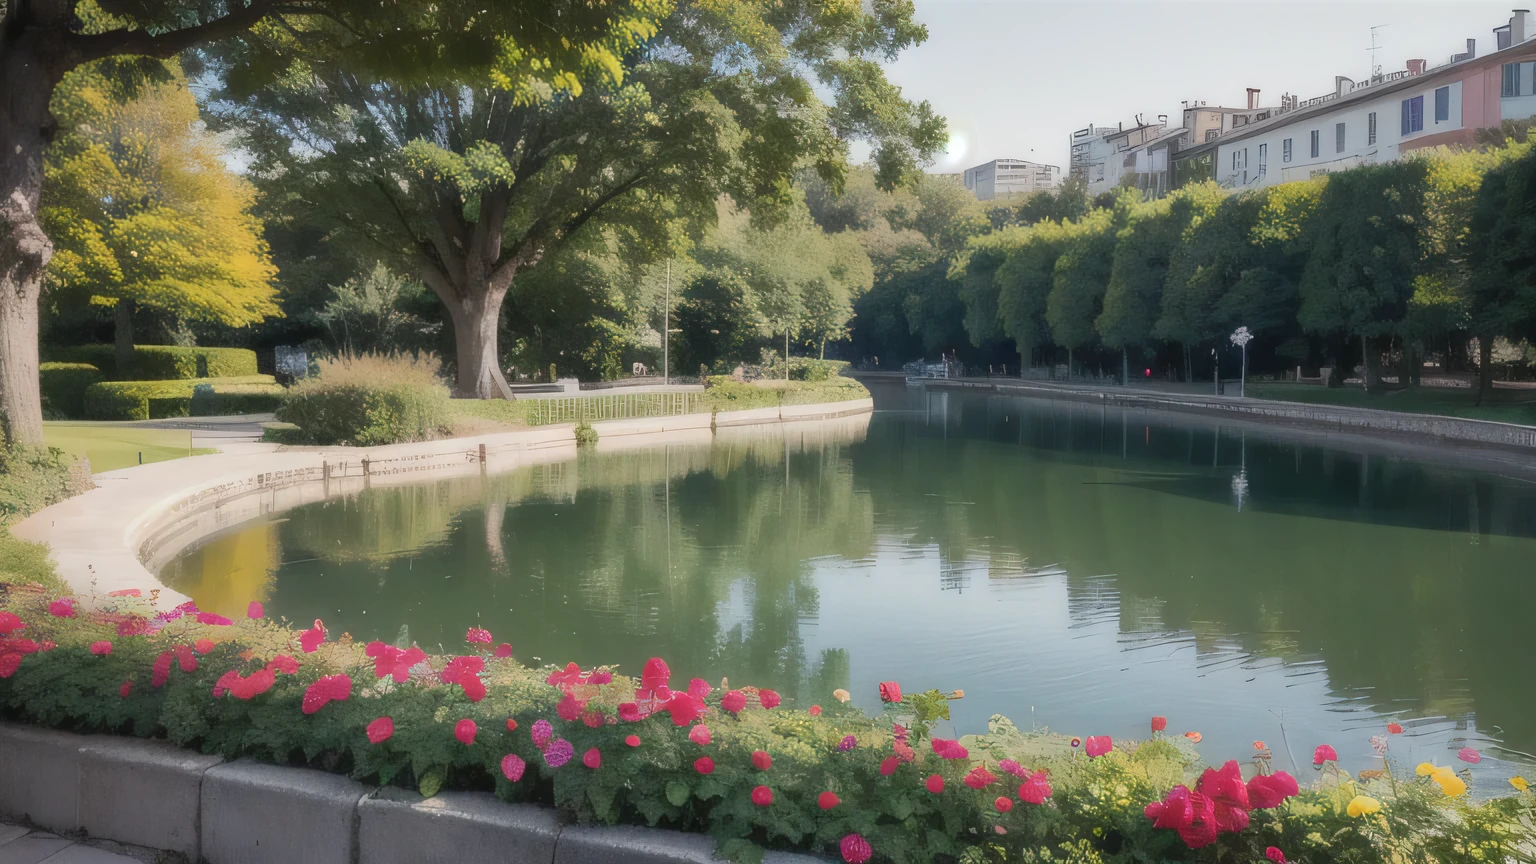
x=1379, y=264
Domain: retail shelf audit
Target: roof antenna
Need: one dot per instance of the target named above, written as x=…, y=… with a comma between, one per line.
x=1375, y=46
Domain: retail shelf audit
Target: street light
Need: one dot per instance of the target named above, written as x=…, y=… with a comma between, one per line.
x=1241, y=337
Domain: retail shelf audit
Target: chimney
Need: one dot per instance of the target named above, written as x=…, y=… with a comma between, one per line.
x=1342, y=86
x=1501, y=38
x=1415, y=67
x=1471, y=48
x=1518, y=25
x=1253, y=98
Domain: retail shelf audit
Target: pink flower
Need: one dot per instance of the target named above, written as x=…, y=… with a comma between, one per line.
x=699, y=735
x=380, y=730
x=512, y=766
x=855, y=849
x=593, y=759
x=888, y=766
x=185, y=658
x=699, y=689
x=126, y=592
x=102, y=648
x=202, y=646
x=1003, y=804
x=949, y=749
x=258, y=683
x=704, y=765
x=64, y=607
x=327, y=689
x=255, y=610
x=848, y=743
x=126, y=689
x=629, y=712
x=1274, y=854
x=1036, y=789
x=827, y=800
x=979, y=777
x=10, y=623
x=478, y=635
x=9, y=663
x=1226, y=790
x=1098, y=745
x=734, y=701
x=632, y=740
x=558, y=753
x=1159, y=724
x=1013, y=768
x=890, y=691
x=593, y=719
x=684, y=709
x=1467, y=754
x=762, y=796
x=463, y=671
x=654, y=677
x=1268, y=791
x=212, y=619
x=1324, y=753
x=541, y=733
x=814, y=711
x=935, y=783
x=284, y=664
x=504, y=650
x=761, y=760
x=464, y=731
x=161, y=671
x=570, y=708
x=310, y=639
x=768, y=698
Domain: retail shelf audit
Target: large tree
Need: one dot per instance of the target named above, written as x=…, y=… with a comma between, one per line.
x=534, y=48
x=470, y=185
x=1501, y=254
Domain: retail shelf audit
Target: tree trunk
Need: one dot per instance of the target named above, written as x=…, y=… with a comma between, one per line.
x=476, y=321
x=1484, y=366
x=122, y=337
x=25, y=129
x=1365, y=364
x=1125, y=366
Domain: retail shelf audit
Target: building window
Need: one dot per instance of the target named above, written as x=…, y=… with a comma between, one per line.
x=1210, y=134
x=1285, y=150
x=1413, y=115
x=1338, y=136
x=1370, y=128
x=1263, y=158
x=1442, y=104
x=1511, y=80
x=1317, y=148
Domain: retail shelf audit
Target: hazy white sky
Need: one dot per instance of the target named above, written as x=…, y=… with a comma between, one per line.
x=1016, y=77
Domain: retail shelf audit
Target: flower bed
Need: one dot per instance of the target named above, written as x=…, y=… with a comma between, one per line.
x=731, y=762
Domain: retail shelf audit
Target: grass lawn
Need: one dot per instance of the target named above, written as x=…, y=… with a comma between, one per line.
x=111, y=447
x=1505, y=406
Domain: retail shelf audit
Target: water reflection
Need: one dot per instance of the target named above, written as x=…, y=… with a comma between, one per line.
x=1068, y=565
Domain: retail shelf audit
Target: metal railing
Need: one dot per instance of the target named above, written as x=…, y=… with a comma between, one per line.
x=617, y=406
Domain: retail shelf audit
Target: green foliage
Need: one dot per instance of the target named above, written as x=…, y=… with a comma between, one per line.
x=1079, y=279
x=32, y=478
x=369, y=399
x=1143, y=253
x=162, y=362
x=1501, y=254
x=586, y=436
x=64, y=386
x=25, y=563
x=195, y=397
x=373, y=313
x=723, y=393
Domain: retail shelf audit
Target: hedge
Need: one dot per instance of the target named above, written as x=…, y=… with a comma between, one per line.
x=724, y=393
x=369, y=399
x=152, y=400
x=734, y=763
x=163, y=362
x=64, y=386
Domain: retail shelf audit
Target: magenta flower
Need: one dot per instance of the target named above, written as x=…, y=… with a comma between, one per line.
x=464, y=731
x=255, y=610
x=1467, y=754
x=513, y=766
x=1324, y=753
x=1098, y=745
x=102, y=648
x=848, y=743
x=478, y=635
x=699, y=735
x=541, y=733
x=558, y=752
x=310, y=639
x=381, y=730
x=327, y=689
x=855, y=849
x=64, y=607
x=212, y=619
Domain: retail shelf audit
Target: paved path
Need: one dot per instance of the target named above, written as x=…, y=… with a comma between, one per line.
x=22, y=845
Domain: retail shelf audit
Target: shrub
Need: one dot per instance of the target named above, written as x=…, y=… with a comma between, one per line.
x=32, y=478
x=807, y=369
x=163, y=362
x=369, y=399
x=606, y=748
x=64, y=385
x=727, y=394
x=24, y=563
x=152, y=400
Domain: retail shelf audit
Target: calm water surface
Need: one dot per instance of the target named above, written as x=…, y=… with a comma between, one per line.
x=1070, y=566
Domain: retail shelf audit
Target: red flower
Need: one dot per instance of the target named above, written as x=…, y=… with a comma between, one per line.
x=1274, y=854
x=704, y=765
x=126, y=592
x=629, y=712
x=855, y=849
x=512, y=767
x=592, y=719
x=202, y=646
x=906, y=753
x=935, y=783
x=162, y=669
x=565, y=678
x=1192, y=814
x=255, y=610
x=761, y=760
x=215, y=620
x=699, y=689
x=127, y=688
x=949, y=749
x=1036, y=789
x=1225, y=787
x=258, y=683
x=380, y=730
x=979, y=777
x=102, y=648
x=768, y=698
x=478, y=635
x=888, y=767
x=504, y=650
x=185, y=658
x=734, y=701
x=465, y=672
x=310, y=639
x=1393, y=728
x=464, y=731
x=815, y=711
x=1268, y=791
x=1159, y=724
x=326, y=689
x=1324, y=753
x=592, y=759
x=284, y=664
x=1098, y=745
x=511, y=725
x=632, y=740
x=9, y=663
x=699, y=735
x=654, y=677
x=827, y=800
x=1003, y=804
x=9, y=623
x=1013, y=768
x=890, y=691
x=64, y=607
x=762, y=796
x=391, y=661
x=570, y=708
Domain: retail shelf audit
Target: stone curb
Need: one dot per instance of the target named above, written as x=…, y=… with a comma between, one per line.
x=153, y=794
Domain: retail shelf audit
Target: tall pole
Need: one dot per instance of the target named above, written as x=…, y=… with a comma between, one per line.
x=786, y=352
x=666, y=333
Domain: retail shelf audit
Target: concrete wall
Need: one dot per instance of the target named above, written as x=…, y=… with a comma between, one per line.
x=156, y=795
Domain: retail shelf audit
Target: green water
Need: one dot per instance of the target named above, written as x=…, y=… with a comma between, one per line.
x=1067, y=565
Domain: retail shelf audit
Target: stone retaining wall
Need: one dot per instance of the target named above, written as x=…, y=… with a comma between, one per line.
x=154, y=794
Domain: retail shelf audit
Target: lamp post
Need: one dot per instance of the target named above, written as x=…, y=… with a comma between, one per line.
x=1241, y=337
x=666, y=330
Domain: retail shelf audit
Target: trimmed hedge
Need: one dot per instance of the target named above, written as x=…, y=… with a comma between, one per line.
x=163, y=362
x=209, y=397
x=724, y=393
x=64, y=386
x=369, y=399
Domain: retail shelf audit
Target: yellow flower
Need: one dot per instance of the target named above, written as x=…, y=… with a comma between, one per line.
x=1424, y=770
x=1519, y=783
x=1363, y=805
x=841, y=695
x=1450, y=784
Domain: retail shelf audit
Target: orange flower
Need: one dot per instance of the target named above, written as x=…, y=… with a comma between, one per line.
x=1194, y=736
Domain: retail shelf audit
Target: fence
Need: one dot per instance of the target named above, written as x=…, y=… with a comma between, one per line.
x=618, y=406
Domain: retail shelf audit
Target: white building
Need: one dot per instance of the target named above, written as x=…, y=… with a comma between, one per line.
x=1104, y=156
x=1010, y=176
x=1378, y=119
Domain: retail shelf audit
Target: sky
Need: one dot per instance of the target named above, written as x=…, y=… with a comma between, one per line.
x=1016, y=77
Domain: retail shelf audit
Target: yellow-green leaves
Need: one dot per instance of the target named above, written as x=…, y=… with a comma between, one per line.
x=480, y=167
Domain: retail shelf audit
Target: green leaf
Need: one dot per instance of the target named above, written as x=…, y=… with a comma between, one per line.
x=740, y=850
x=677, y=793
x=601, y=796
x=431, y=783
x=899, y=806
